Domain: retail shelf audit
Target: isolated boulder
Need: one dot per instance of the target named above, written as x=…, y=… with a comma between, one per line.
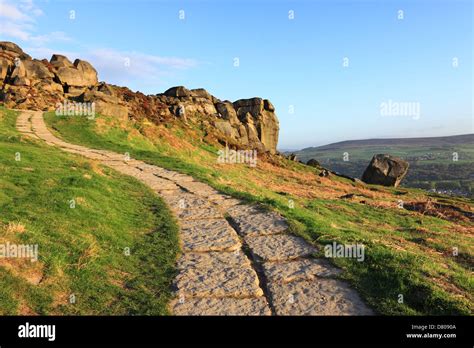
x=385, y=170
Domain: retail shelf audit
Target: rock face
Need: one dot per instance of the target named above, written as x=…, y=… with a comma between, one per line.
x=27, y=83
x=385, y=170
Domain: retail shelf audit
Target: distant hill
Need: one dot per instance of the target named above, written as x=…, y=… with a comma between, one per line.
x=428, y=141
x=444, y=164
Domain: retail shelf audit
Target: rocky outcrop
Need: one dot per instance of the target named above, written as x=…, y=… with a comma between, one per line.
x=385, y=170
x=33, y=84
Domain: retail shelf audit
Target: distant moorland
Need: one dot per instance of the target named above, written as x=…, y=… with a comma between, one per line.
x=444, y=164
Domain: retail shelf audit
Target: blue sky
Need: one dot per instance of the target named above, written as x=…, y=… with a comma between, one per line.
x=296, y=63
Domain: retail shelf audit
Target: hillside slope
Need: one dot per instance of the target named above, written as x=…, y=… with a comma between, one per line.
x=408, y=235
x=83, y=217
x=417, y=246
x=401, y=142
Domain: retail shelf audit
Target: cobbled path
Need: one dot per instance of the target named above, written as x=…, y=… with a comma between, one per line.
x=237, y=259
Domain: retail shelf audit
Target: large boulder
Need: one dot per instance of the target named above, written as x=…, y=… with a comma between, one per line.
x=252, y=105
x=227, y=112
x=385, y=170
x=60, y=61
x=177, y=92
x=105, y=104
x=13, y=49
x=259, y=117
x=81, y=74
x=200, y=93
x=89, y=74
x=36, y=70
x=18, y=69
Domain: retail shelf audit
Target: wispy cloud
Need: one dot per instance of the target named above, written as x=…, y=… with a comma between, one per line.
x=18, y=22
x=124, y=67
x=135, y=69
x=13, y=12
x=131, y=68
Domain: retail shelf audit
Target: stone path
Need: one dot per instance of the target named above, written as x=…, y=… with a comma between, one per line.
x=236, y=259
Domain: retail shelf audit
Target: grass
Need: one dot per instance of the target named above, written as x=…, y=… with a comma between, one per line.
x=84, y=266
x=406, y=253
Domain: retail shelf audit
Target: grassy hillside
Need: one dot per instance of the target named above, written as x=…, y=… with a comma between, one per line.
x=82, y=249
x=408, y=252
x=445, y=164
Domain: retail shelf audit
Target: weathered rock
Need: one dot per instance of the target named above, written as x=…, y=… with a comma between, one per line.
x=19, y=69
x=70, y=77
x=6, y=46
x=268, y=106
x=316, y=297
x=60, y=61
x=220, y=306
x=178, y=91
x=385, y=170
x=89, y=74
x=225, y=128
x=208, y=235
x=75, y=91
x=261, y=122
x=253, y=105
x=305, y=269
x=279, y=247
x=244, y=124
x=200, y=93
x=50, y=86
x=252, y=221
x=36, y=70
x=216, y=274
x=227, y=111
x=81, y=74
x=4, y=66
x=21, y=81
x=105, y=104
x=106, y=89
